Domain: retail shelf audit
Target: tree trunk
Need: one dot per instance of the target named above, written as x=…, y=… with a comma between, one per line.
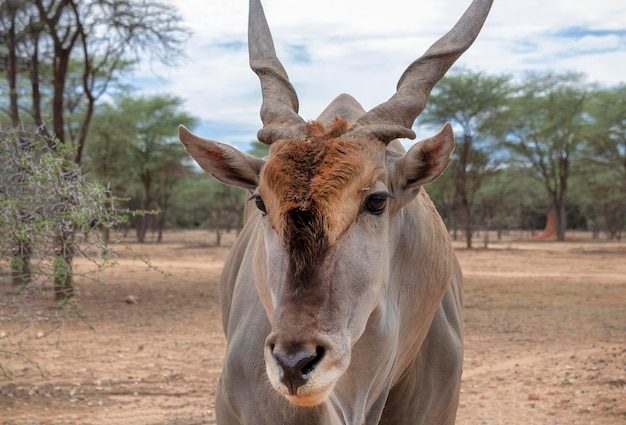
x=486, y=237
x=160, y=226
x=12, y=74
x=20, y=266
x=64, y=249
x=106, y=235
x=143, y=222
x=87, y=87
x=467, y=226
x=559, y=207
x=34, y=82
x=64, y=253
x=141, y=228
x=560, y=220
x=461, y=186
x=61, y=63
x=218, y=236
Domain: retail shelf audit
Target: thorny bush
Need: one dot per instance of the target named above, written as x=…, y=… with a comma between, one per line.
x=49, y=213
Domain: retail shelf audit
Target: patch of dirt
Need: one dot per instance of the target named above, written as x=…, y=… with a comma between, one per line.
x=545, y=339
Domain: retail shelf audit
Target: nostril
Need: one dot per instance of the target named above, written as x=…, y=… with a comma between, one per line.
x=296, y=366
x=310, y=366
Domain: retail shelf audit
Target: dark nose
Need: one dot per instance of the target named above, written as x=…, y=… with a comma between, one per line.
x=297, y=365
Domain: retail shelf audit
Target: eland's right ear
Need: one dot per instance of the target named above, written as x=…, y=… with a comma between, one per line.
x=423, y=163
x=224, y=162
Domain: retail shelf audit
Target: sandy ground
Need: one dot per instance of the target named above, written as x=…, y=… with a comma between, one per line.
x=545, y=339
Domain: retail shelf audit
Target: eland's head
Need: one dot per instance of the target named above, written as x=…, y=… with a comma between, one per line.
x=331, y=197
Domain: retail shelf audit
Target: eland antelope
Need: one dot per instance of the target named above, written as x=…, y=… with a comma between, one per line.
x=342, y=298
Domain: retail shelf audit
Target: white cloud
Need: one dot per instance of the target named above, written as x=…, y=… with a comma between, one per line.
x=333, y=46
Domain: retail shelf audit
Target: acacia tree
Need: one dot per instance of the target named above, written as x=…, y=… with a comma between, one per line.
x=467, y=99
x=39, y=193
x=101, y=36
x=545, y=128
x=602, y=169
x=134, y=147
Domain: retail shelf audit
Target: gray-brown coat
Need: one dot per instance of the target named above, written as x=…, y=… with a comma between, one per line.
x=342, y=299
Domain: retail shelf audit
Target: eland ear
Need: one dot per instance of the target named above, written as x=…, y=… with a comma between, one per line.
x=426, y=160
x=224, y=162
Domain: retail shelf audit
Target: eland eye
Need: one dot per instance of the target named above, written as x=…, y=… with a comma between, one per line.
x=375, y=204
x=259, y=204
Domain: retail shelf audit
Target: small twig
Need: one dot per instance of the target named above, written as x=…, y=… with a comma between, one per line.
x=76, y=311
x=24, y=358
x=26, y=327
x=146, y=261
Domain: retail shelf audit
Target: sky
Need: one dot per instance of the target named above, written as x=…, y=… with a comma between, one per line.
x=329, y=47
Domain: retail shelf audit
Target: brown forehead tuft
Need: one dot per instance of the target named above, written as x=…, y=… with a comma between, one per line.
x=317, y=131
x=304, y=186
x=320, y=168
x=299, y=173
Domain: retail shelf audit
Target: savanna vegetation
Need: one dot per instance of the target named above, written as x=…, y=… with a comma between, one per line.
x=530, y=144
x=526, y=144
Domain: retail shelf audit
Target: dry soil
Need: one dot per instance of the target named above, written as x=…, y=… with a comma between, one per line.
x=545, y=338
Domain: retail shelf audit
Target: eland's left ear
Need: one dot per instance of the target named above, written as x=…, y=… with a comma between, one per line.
x=426, y=160
x=222, y=161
